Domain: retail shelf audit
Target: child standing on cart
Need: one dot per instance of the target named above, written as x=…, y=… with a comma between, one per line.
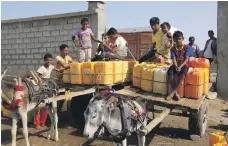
x=82, y=39
x=180, y=54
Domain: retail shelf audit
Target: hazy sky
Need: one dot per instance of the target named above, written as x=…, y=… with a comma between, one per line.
x=193, y=18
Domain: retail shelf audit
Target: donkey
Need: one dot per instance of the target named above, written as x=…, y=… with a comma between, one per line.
x=15, y=95
x=102, y=111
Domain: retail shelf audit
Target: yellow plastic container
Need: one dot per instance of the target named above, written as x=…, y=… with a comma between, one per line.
x=147, y=85
x=137, y=70
x=147, y=79
x=88, y=73
x=66, y=76
x=128, y=70
x=76, y=73
x=205, y=80
x=217, y=138
x=136, y=82
x=103, y=72
x=117, y=72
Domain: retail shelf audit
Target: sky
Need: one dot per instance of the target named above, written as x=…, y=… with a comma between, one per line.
x=193, y=18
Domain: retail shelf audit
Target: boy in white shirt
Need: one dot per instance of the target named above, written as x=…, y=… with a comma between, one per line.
x=45, y=70
x=119, y=48
x=45, y=73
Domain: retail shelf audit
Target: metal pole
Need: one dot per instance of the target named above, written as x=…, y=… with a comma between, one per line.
x=131, y=54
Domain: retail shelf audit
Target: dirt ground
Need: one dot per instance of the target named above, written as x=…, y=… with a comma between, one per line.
x=173, y=131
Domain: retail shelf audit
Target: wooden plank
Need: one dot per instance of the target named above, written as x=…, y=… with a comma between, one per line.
x=69, y=96
x=155, y=122
x=183, y=103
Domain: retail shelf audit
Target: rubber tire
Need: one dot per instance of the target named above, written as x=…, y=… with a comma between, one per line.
x=197, y=123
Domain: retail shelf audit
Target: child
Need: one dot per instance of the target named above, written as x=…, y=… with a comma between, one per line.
x=157, y=37
x=83, y=41
x=119, y=48
x=63, y=62
x=180, y=54
x=167, y=43
x=44, y=72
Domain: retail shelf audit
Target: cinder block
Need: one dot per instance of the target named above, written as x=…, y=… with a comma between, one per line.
x=5, y=42
x=37, y=45
x=42, y=28
x=26, y=51
x=34, y=50
x=54, y=44
x=27, y=61
x=47, y=33
x=22, y=56
x=42, y=50
x=55, y=33
x=22, y=46
x=29, y=56
x=15, y=56
x=27, y=40
x=5, y=62
x=34, y=40
x=12, y=30
x=19, y=41
x=19, y=61
x=22, y=35
x=46, y=45
x=5, y=31
x=18, y=30
x=5, y=51
x=31, y=67
x=26, y=29
x=8, y=56
x=19, y=51
x=59, y=38
x=15, y=46
x=71, y=20
x=38, y=56
x=38, y=34
x=42, y=39
x=51, y=39
x=35, y=61
x=31, y=34
x=34, y=29
x=12, y=61
x=68, y=26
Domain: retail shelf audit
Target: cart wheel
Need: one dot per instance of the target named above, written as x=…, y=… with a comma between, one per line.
x=197, y=123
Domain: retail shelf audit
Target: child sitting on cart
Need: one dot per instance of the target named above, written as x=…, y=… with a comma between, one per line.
x=180, y=54
x=119, y=48
x=167, y=43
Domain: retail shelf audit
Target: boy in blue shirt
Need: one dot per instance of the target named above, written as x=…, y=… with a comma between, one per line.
x=180, y=54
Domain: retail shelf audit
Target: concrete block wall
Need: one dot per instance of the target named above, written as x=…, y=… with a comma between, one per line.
x=25, y=41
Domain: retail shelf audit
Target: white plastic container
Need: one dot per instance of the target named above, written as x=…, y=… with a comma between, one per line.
x=160, y=80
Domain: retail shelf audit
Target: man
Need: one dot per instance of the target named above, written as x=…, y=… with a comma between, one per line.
x=157, y=37
x=195, y=47
x=210, y=49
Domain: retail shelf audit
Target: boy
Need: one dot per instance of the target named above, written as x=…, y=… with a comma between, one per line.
x=44, y=72
x=167, y=43
x=83, y=41
x=157, y=37
x=180, y=54
x=195, y=47
x=119, y=48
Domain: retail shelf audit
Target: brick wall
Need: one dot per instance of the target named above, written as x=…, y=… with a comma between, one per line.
x=25, y=41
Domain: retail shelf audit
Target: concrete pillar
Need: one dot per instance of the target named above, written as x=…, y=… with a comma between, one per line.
x=222, y=74
x=98, y=21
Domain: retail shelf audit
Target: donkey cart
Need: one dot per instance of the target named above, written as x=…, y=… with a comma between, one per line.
x=195, y=109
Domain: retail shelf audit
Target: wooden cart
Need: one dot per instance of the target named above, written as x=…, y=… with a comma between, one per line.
x=197, y=109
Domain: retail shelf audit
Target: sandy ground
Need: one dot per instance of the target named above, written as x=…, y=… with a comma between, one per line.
x=173, y=131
